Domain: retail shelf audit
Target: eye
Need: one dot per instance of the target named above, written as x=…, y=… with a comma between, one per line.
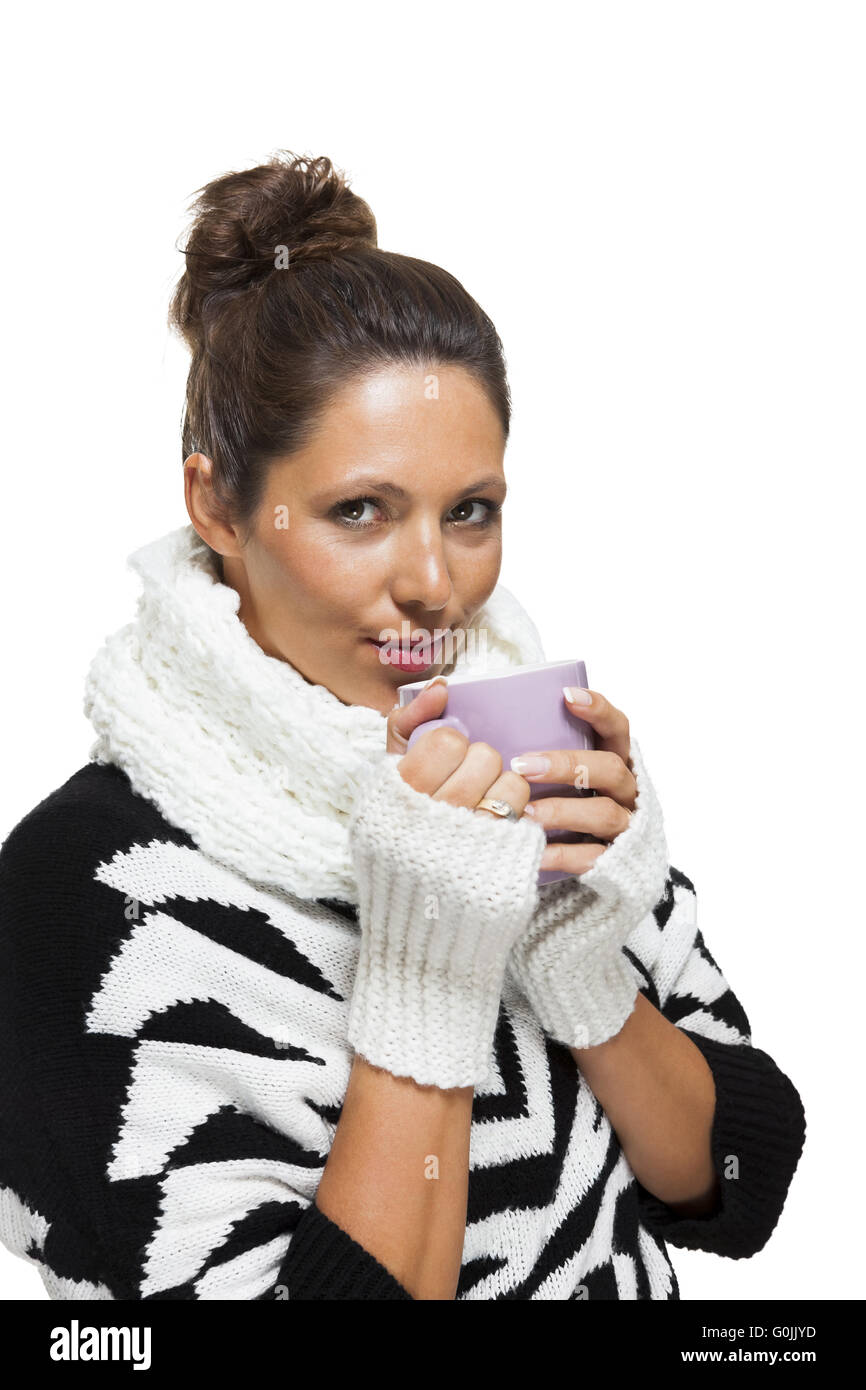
x=356, y=504
x=490, y=510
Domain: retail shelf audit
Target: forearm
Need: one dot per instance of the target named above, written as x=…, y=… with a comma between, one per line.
x=397, y=1176
x=659, y=1095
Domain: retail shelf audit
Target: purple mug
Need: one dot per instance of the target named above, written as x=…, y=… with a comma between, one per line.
x=517, y=709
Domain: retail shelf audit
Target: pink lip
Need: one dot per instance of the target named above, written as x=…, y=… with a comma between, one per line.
x=404, y=660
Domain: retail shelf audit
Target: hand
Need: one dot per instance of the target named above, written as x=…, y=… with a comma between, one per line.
x=607, y=770
x=444, y=764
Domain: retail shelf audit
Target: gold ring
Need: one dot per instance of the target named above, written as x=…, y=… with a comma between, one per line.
x=498, y=807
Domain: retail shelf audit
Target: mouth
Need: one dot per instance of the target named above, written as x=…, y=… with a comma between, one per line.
x=422, y=657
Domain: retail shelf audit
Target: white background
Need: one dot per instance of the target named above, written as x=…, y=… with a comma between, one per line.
x=661, y=206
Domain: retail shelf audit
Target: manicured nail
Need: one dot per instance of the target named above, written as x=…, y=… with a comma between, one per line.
x=576, y=696
x=433, y=682
x=530, y=766
x=529, y=809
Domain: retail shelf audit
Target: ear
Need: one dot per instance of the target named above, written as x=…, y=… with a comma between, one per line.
x=204, y=508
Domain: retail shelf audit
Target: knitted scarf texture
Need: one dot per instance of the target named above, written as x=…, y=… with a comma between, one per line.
x=236, y=747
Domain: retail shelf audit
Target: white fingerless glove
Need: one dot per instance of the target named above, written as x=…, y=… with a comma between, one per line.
x=569, y=963
x=442, y=895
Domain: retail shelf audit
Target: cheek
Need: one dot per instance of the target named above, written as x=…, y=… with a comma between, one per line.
x=305, y=577
x=475, y=571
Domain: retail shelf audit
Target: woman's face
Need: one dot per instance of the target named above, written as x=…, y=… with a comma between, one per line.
x=383, y=530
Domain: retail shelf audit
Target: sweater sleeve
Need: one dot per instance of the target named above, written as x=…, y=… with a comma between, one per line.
x=325, y=1262
x=759, y=1124
x=171, y=1072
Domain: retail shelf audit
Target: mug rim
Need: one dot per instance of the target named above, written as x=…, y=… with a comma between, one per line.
x=470, y=677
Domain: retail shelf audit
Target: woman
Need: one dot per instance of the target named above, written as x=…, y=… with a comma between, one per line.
x=286, y=1014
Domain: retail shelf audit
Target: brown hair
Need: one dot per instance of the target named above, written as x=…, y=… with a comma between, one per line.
x=285, y=297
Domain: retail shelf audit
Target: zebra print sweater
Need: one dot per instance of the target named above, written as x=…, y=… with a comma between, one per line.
x=173, y=1061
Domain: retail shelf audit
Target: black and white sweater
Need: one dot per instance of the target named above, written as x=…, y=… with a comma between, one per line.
x=174, y=1060
x=186, y=969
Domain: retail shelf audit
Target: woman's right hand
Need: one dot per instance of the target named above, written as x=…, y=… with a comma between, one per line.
x=444, y=764
x=444, y=890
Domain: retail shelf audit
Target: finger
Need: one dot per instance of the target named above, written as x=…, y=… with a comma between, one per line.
x=469, y=782
x=593, y=815
x=609, y=724
x=432, y=760
x=580, y=767
x=509, y=788
x=403, y=720
x=571, y=859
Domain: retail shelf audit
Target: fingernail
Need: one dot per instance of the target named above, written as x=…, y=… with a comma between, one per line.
x=576, y=696
x=434, y=681
x=529, y=810
x=529, y=766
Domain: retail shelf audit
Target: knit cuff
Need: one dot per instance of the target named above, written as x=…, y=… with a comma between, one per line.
x=570, y=962
x=629, y=878
x=324, y=1262
x=442, y=894
x=758, y=1134
x=581, y=1002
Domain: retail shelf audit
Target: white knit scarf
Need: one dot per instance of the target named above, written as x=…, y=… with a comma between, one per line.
x=236, y=747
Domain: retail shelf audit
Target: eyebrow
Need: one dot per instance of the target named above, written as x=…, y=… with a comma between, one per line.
x=399, y=494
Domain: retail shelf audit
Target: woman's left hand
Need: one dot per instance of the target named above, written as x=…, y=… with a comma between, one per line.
x=606, y=769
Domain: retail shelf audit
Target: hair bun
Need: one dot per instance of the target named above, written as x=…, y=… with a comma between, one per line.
x=242, y=220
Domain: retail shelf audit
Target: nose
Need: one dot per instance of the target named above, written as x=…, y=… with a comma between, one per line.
x=420, y=577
